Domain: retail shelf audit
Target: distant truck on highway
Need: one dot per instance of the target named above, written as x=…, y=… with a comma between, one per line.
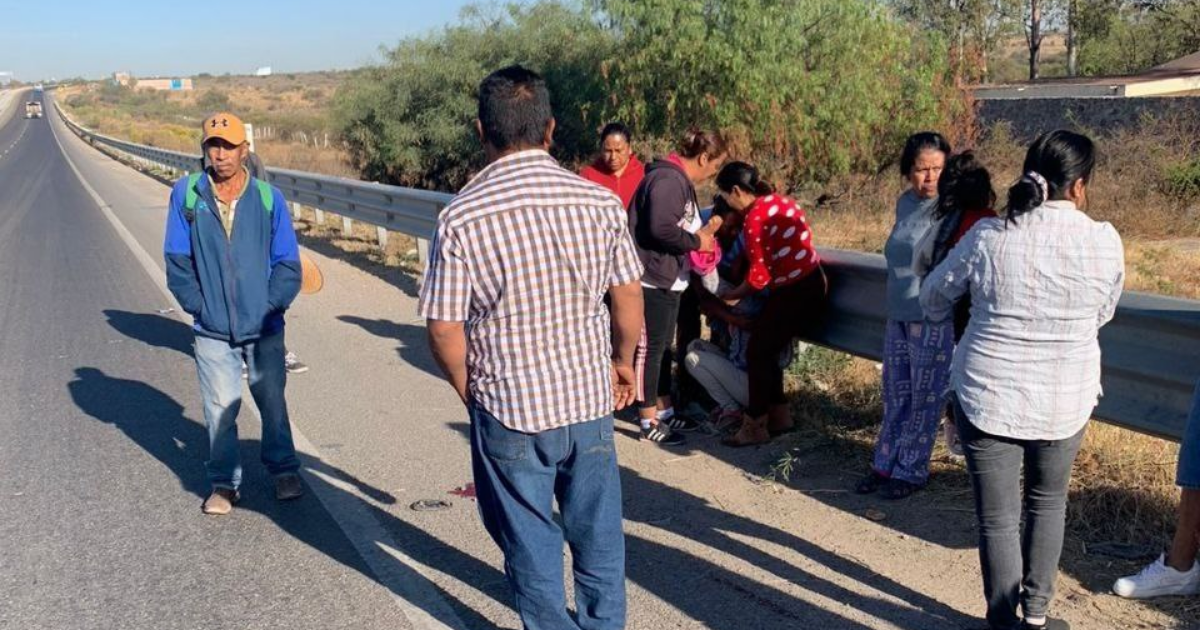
x=33, y=109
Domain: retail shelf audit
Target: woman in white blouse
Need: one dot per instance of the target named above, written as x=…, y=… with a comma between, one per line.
x=1042, y=281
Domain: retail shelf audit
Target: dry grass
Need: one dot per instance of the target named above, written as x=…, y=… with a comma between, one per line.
x=290, y=114
x=361, y=244
x=1122, y=490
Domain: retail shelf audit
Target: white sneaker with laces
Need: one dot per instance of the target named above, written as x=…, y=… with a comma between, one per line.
x=1158, y=580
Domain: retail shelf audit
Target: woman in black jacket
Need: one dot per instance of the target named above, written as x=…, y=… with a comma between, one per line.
x=664, y=219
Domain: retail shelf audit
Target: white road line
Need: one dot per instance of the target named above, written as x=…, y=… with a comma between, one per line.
x=412, y=588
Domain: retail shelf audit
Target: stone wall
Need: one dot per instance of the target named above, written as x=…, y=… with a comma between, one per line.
x=1031, y=117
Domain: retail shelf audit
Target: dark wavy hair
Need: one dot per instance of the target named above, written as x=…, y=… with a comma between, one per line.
x=1061, y=158
x=965, y=185
x=743, y=176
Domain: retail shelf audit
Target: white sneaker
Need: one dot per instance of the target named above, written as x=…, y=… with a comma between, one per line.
x=1157, y=580
x=293, y=365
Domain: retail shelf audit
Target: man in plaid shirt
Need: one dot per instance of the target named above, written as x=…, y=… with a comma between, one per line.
x=514, y=298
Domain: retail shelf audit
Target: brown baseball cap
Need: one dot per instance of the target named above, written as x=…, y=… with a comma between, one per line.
x=225, y=126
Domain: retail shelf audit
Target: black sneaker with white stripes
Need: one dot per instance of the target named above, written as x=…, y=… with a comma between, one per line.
x=681, y=423
x=662, y=435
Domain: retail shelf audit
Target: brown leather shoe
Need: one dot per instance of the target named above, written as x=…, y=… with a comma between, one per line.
x=779, y=420
x=288, y=486
x=753, y=431
x=220, y=502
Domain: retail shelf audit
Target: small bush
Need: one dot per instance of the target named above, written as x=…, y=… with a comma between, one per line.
x=213, y=100
x=1182, y=181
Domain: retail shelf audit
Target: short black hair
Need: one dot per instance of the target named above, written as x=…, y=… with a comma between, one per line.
x=615, y=128
x=514, y=108
x=918, y=142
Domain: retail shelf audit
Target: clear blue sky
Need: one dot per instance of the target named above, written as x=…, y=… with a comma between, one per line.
x=40, y=39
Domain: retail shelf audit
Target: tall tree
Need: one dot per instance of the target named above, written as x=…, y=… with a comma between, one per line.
x=975, y=29
x=1072, y=45
x=1129, y=36
x=1033, y=35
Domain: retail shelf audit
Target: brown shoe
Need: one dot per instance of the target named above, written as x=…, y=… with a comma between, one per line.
x=288, y=486
x=779, y=420
x=220, y=502
x=753, y=431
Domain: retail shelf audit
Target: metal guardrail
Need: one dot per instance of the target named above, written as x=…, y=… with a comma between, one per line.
x=1151, y=349
x=392, y=208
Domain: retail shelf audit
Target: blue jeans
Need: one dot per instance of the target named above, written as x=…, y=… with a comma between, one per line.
x=219, y=365
x=1187, y=475
x=518, y=477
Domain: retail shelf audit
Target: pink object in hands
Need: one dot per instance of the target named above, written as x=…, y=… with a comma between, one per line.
x=704, y=262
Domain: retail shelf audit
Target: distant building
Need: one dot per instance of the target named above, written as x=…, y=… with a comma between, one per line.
x=163, y=85
x=264, y=71
x=1177, y=78
x=1170, y=92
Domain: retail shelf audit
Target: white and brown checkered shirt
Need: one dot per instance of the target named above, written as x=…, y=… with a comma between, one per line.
x=524, y=255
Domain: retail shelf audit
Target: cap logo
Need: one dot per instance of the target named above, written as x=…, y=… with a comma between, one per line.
x=224, y=122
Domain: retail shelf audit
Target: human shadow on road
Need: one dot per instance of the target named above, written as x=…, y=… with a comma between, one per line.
x=718, y=597
x=830, y=454
x=156, y=422
x=413, y=348
x=152, y=329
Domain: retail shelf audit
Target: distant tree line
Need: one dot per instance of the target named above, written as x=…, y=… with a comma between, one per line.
x=808, y=89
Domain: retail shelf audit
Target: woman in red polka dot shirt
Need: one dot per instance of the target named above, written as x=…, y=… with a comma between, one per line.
x=782, y=262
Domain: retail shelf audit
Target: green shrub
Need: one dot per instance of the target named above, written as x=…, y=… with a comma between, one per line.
x=1182, y=181
x=409, y=121
x=805, y=88
x=213, y=101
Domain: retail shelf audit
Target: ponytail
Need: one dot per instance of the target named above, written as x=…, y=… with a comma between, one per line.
x=743, y=176
x=1054, y=161
x=697, y=142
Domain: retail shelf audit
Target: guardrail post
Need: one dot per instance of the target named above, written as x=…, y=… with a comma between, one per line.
x=347, y=226
x=422, y=251
x=295, y=210
x=320, y=216
x=382, y=235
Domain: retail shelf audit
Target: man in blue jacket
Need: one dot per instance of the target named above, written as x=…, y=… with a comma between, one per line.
x=234, y=265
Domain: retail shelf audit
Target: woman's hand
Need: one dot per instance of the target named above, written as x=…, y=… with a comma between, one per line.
x=742, y=292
